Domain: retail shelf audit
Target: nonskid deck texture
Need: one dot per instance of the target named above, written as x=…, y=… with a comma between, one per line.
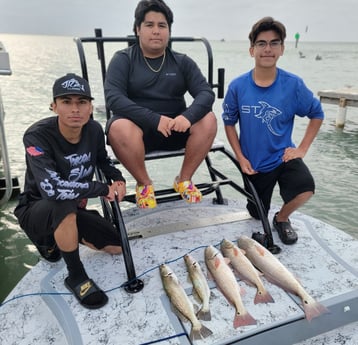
x=55, y=317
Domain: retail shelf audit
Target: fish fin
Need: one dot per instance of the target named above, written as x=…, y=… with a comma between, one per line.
x=260, y=250
x=271, y=279
x=314, y=309
x=243, y=320
x=209, y=275
x=259, y=272
x=205, y=331
x=237, y=274
x=227, y=260
x=201, y=333
x=263, y=297
x=236, y=251
x=204, y=315
x=243, y=278
x=196, y=308
x=247, y=282
x=216, y=262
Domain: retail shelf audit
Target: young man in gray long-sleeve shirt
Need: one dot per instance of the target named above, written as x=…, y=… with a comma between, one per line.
x=144, y=89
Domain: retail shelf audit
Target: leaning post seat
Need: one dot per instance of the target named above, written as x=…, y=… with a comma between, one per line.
x=218, y=178
x=166, y=195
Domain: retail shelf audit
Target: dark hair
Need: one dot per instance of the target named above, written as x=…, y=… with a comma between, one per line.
x=144, y=6
x=267, y=24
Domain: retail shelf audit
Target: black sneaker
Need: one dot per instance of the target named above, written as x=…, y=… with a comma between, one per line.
x=50, y=253
x=285, y=231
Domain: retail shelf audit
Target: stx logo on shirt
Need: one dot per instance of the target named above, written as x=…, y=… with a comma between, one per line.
x=263, y=111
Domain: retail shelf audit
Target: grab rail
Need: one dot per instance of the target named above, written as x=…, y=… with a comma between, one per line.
x=100, y=40
x=4, y=158
x=4, y=70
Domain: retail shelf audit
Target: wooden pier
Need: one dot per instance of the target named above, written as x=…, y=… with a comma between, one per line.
x=343, y=98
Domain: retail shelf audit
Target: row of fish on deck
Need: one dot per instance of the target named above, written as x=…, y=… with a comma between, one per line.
x=248, y=260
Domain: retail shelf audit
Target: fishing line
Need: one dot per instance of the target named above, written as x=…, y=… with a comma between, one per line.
x=164, y=339
x=108, y=290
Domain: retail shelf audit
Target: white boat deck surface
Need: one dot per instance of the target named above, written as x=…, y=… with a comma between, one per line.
x=146, y=317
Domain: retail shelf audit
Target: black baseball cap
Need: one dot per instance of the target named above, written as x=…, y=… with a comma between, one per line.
x=71, y=84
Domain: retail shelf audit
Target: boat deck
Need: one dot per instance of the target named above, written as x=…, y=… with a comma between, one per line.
x=324, y=260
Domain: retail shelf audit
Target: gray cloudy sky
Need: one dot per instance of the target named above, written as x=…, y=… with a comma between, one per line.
x=326, y=20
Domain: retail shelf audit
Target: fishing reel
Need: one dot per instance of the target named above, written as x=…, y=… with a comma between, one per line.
x=266, y=241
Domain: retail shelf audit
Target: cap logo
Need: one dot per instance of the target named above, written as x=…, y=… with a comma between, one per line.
x=73, y=85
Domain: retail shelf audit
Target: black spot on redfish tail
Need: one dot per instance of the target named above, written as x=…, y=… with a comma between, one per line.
x=314, y=309
x=244, y=319
x=263, y=297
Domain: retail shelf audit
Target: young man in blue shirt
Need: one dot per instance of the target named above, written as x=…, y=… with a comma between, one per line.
x=264, y=102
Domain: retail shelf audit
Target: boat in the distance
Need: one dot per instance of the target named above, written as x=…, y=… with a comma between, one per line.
x=40, y=310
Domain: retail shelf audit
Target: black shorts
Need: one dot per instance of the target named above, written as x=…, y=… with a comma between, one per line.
x=39, y=219
x=292, y=177
x=156, y=141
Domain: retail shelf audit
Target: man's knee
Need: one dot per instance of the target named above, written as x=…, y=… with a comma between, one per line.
x=110, y=249
x=123, y=132
x=212, y=124
x=206, y=126
x=69, y=221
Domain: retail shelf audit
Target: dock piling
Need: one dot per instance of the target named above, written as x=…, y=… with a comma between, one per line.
x=343, y=98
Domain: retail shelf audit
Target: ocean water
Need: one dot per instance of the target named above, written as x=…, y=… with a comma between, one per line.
x=36, y=61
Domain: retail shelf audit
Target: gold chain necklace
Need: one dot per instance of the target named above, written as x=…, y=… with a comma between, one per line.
x=151, y=68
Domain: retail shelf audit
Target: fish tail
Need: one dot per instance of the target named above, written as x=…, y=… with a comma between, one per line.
x=263, y=296
x=204, y=315
x=314, y=309
x=200, y=333
x=243, y=320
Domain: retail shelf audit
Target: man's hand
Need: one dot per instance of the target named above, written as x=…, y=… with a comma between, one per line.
x=246, y=167
x=117, y=190
x=292, y=153
x=180, y=124
x=164, y=125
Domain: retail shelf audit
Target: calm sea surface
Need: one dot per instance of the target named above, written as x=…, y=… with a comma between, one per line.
x=36, y=61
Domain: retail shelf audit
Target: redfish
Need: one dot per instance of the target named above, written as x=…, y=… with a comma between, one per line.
x=278, y=274
x=245, y=270
x=181, y=303
x=228, y=285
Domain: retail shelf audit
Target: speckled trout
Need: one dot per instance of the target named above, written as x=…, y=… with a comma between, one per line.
x=278, y=274
x=245, y=270
x=181, y=303
x=228, y=285
x=200, y=285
